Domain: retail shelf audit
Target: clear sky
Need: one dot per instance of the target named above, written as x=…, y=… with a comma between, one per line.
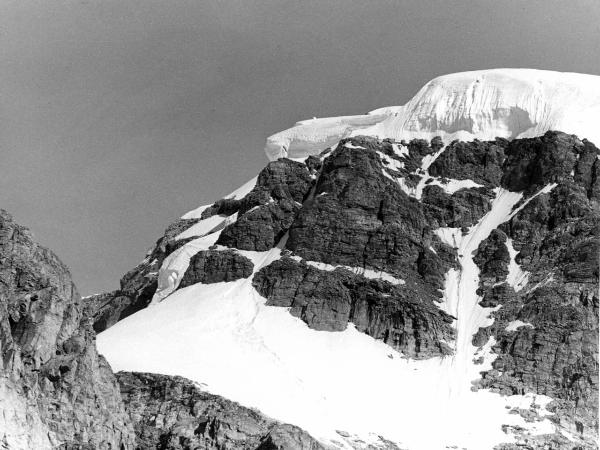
x=116, y=117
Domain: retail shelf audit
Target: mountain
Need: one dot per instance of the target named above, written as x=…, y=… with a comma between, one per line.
x=419, y=277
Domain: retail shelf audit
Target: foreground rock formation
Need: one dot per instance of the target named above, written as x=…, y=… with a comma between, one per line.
x=172, y=413
x=55, y=390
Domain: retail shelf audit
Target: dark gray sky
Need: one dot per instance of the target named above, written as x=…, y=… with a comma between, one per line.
x=116, y=117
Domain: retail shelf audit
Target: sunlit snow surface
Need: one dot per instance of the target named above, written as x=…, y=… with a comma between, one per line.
x=225, y=338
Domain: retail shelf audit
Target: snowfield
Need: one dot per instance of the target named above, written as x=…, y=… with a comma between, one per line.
x=346, y=387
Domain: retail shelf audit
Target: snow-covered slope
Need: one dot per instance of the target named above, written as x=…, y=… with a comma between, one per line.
x=481, y=104
x=347, y=388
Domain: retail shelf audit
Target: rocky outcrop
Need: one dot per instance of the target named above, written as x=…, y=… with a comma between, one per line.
x=55, y=390
x=173, y=413
x=476, y=160
x=492, y=258
x=547, y=333
x=360, y=218
x=554, y=157
x=214, y=266
x=401, y=315
x=463, y=208
x=266, y=213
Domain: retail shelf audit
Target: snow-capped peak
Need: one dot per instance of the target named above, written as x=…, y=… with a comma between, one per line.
x=481, y=104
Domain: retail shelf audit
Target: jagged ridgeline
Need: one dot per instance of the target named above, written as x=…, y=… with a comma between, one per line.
x=421, y=277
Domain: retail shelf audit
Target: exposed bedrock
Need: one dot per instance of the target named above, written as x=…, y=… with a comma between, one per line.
x=463, y=208
x=172, y=413
x=547, y=333
x=266, y=213
x=492, y=258
x=526, y=164
x=263, y=217
x=55, y=390
x=478, y=161
x=403, y=316
x=554, y=157
x=214, y=266
x=360, y=218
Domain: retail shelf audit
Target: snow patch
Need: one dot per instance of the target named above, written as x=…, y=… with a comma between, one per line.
x=175, y=265
x=450, y=186
x=239, y=193
x=516, y=277
x=516, y=324
x=351, y=145
x=367, y=273
x=400, y=150
x=203, y=227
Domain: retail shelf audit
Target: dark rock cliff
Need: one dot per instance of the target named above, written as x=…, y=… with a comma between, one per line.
x=328, y=300
x=57, y=392
x=557, y=240
x=216, y=266
x=556, y=352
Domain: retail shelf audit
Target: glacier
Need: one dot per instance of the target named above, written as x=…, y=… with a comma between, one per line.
x=346, y=388
x=485, y=104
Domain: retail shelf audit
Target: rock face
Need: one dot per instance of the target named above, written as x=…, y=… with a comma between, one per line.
x=56, y=391
x=172, y=413
x=328, y=300
x=267, y=212
x=478, y=161
x=359, y=218
x=461, y=209
x=493, y=259
x=546, y=332
x=216, y=266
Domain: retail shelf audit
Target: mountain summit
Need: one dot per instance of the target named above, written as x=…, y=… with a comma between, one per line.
x=485, y=104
